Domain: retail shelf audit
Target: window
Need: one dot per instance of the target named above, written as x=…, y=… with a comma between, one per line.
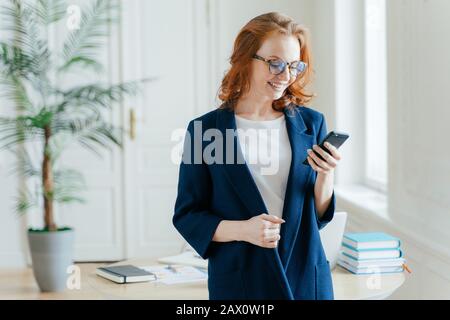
x=376, y=94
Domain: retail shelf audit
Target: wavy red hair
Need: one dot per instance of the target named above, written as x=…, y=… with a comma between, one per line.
x=250, y=38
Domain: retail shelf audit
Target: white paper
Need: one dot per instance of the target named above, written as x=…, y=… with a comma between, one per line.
x=175, y=274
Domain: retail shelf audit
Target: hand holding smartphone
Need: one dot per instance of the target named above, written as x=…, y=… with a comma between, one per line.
x=335, y=138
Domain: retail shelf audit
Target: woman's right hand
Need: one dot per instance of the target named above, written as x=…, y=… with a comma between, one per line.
x=262, y=230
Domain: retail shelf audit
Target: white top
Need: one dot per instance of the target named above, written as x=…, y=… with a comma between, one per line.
x=267, y=151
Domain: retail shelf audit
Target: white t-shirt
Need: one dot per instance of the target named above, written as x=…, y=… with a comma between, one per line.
x=267, y=151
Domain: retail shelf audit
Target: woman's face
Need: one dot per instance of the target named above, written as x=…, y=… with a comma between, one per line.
x=262, y=82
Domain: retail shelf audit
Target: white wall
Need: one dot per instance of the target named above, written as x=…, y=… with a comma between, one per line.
x=12, y=241
x=323, y=48
x=419, y=110
x=419, y=115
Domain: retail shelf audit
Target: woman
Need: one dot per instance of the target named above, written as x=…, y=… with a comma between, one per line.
x=260, y=228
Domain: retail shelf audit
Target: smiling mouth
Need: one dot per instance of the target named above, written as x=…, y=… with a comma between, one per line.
x=276, y=86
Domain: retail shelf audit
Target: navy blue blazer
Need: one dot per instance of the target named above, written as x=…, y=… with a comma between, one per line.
x=208, y=193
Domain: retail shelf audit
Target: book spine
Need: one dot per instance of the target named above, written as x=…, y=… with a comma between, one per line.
x=368, y=259
x=372, y=249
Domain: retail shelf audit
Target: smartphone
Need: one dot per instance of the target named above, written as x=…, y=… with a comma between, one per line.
x=335, y=138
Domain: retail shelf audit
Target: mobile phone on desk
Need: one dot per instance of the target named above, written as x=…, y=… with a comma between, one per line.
x=335, y=138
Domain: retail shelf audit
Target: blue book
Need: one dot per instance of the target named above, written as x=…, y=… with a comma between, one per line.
x=370, y=240
x=369, y=269
x=371, y=253
x=388, y=262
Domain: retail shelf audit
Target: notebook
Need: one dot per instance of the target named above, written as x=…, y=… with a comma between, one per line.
x=125, y=274
x=370, y=240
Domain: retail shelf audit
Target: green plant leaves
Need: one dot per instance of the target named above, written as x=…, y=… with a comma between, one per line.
x=81, y=46
x=52, y=118
x=49, y=11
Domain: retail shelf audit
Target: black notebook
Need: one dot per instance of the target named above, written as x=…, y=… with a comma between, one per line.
x=125, y=274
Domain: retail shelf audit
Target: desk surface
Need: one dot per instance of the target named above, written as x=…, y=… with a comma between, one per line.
x=347, y=286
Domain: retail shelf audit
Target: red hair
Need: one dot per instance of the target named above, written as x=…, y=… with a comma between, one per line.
x=250, y=38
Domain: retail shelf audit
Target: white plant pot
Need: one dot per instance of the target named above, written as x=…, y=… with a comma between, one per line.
x=51, y=255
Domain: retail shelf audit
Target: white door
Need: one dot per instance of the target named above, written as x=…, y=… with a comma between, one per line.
x=99, y=222
x=164, y=40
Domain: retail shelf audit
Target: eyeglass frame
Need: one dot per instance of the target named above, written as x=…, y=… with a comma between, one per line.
x=286, y=64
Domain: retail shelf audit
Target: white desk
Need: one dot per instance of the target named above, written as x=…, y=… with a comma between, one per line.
x=347, y=286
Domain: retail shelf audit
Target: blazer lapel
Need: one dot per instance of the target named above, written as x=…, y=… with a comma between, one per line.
x=299, y=175
x=238, y=172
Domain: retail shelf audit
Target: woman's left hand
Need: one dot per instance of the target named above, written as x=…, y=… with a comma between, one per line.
x=324, y=167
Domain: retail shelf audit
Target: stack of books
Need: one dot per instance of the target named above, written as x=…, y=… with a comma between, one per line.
x=369, y=253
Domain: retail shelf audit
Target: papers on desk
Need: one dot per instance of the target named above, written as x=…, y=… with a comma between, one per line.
x=188, y=258
x=176, y=274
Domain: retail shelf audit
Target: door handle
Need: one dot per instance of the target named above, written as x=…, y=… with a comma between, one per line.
x=132, y=124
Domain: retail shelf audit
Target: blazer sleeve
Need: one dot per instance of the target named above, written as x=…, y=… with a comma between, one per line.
x=192, y=217
x=329, y=212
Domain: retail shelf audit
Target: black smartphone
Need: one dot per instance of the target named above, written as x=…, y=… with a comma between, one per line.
x=334, y=138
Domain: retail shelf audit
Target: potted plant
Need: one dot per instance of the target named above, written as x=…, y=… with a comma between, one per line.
x=52, y=117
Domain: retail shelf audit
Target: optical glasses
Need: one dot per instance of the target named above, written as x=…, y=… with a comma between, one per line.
x=277, y=66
